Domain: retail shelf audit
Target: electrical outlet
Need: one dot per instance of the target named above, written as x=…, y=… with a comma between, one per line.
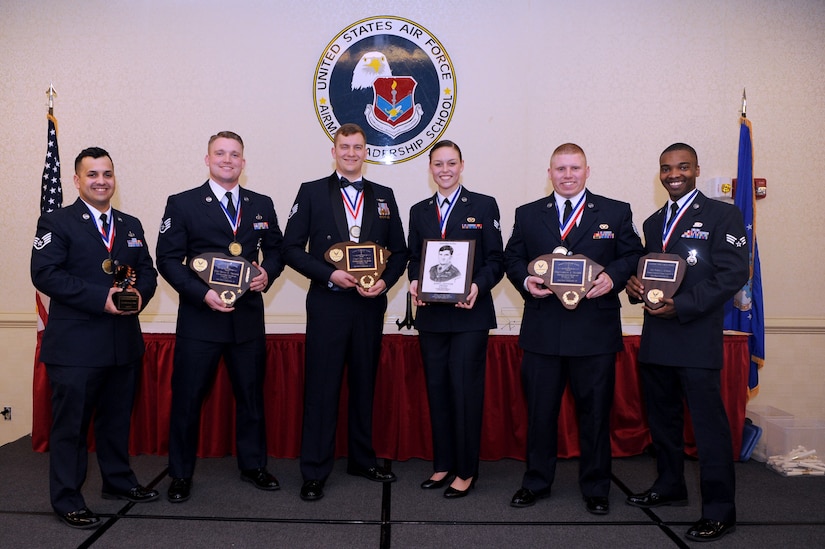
x=6, y=413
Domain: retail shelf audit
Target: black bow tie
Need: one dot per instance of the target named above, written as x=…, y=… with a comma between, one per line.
x=359, y=185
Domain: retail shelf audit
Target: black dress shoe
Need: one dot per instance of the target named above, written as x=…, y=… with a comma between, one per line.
x=376, y=473
x=454, y=493
x=650, y=499
x=312, y=490
x=82, y=518
x=709, y=530
x=598, y=505
x=431, y=484
x=179, y=490
x=138, y=494
x=261, y=478
x=526, y=497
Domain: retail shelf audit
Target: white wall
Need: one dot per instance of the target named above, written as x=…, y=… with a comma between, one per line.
x=150, y=80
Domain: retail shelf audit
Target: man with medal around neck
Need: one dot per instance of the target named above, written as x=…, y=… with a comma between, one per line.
x=199, y=221
x=344, y=320
x=578, y=345
x=92, y=350
x=681, y=354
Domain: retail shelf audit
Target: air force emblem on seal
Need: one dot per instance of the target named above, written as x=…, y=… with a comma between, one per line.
x=394, y=79
x=393, y=110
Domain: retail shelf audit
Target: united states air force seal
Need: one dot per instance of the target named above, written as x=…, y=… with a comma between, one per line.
x=393, y=78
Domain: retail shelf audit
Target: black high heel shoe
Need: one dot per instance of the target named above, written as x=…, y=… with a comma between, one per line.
x=431, y=484
x=454, y=493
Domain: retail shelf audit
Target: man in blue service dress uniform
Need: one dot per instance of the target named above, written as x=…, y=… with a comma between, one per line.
x=219, y=216
x=579, y=344
x=681, y=355
x=344, y=320
x=92, y=350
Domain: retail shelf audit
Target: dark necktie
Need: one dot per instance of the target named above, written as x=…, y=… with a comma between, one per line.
x=445, y=205
x=674, y=209
x=358, y=185
x=104, y=221
x=230, y=206
x=568, y=211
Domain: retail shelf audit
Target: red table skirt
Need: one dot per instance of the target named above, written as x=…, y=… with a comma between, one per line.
x=401, y=418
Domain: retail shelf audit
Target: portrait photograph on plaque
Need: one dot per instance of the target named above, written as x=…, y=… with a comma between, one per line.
x=228, y=276
x=570, y=277
x=365, y=261
x=661, y=275
x=446, y=270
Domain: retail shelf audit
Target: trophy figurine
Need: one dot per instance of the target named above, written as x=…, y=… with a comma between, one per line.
x=124, y=278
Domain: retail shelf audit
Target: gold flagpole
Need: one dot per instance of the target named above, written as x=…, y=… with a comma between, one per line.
x=51, y=94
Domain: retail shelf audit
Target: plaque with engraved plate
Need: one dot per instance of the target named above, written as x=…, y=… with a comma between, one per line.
x=661, y=275
x=229, y=276
x=570, y=277
x=365, y=261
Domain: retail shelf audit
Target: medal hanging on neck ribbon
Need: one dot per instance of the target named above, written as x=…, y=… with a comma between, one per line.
x=235, y=247
x=108, y=241
x=442, y=220
x=353, y=207
x=669, y=228
x=565, y=228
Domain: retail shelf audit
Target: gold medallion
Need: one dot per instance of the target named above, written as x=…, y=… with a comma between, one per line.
x=655, y=295
x=570, y=298
x=228, y=297
x=107, y=266
x=367, y=282
x=235, y=249
x=541, y=267
x=336, y=255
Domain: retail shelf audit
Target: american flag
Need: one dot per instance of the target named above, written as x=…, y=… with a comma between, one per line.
x=51, y=193
x=51, y=198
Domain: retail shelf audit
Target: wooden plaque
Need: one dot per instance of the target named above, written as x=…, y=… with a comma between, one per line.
x=661, y=275
x=365, y=261
x=228, y=275
x=570, y=277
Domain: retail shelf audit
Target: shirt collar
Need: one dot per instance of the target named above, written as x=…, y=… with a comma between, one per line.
x=680, y=203
x=560, y=200
x=453, y=197
x=220, y=192
x=339, y=175
x=96, y=213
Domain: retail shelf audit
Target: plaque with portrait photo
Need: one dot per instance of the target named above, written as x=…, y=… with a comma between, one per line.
x=365, y=261
x=229, y=276
x=570, y=277
x=661, y=275
x=446, y=270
